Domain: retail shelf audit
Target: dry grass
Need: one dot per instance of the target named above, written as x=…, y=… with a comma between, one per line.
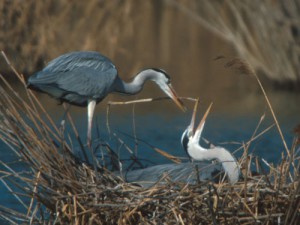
x=265, y=33
x=62, y=190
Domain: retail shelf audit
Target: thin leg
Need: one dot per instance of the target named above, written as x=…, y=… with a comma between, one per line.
x=90, y=113
x=67, y=107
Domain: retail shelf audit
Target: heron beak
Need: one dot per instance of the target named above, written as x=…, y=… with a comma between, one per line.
x=192, y=124
x=172, y=94
x=200, y=126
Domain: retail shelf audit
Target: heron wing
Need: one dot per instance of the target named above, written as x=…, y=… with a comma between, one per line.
x=73, y=60
x=87, y=82
x=184, y=172
x=87, y=74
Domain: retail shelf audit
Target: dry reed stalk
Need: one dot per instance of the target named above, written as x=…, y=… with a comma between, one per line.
x=60, y=189
x=244, y=67
x=148, y=100
x=254, y=32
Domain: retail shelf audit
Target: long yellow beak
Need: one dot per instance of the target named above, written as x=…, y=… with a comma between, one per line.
x=172, y=94
x=204, y=117
x=192, y=124
x=201, y=123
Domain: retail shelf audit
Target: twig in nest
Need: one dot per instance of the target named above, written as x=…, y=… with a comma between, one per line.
x=148, y=100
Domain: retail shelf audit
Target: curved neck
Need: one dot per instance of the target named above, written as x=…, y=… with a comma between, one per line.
x=134, y=86
x=229, y=163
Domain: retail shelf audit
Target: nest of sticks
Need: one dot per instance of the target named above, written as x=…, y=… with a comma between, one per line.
x=60, y=189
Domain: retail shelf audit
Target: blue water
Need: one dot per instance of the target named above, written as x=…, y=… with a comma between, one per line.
x=164, y=132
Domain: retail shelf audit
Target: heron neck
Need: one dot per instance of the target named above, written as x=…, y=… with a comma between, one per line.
x=222, y=155
x=199, y=153
x=135, y=86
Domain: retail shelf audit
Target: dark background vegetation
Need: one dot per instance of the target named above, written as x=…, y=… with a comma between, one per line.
x=182, y=37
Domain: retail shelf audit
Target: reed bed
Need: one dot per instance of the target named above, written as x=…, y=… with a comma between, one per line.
x=252, y=29
x=58, y=188
x=266, y=33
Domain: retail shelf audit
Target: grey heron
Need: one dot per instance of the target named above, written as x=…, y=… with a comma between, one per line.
x=84, y=78
x=190, y=172
x=191, y=142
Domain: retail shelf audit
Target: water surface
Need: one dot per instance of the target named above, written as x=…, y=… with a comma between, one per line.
x=230, y=124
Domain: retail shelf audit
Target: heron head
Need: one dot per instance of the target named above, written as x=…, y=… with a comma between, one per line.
x=192, y=134
x=186, y=135
x=164, y=82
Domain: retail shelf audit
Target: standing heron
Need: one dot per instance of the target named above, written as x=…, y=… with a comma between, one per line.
x=190, y=172
x=86, y=78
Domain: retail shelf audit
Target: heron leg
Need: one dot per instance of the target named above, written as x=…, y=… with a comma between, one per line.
x=91, y=109
x=67, y=107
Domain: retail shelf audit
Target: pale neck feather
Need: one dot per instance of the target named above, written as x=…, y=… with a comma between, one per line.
x=220, y=154
x=136, y=85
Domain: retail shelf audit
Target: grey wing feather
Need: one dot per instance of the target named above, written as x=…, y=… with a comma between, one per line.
x=184, y=172
x=85, y=74
x=73, y=60
x=88, y=82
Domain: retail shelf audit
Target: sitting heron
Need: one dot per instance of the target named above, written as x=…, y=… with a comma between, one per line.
x=86, y=78
x=190, y=172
